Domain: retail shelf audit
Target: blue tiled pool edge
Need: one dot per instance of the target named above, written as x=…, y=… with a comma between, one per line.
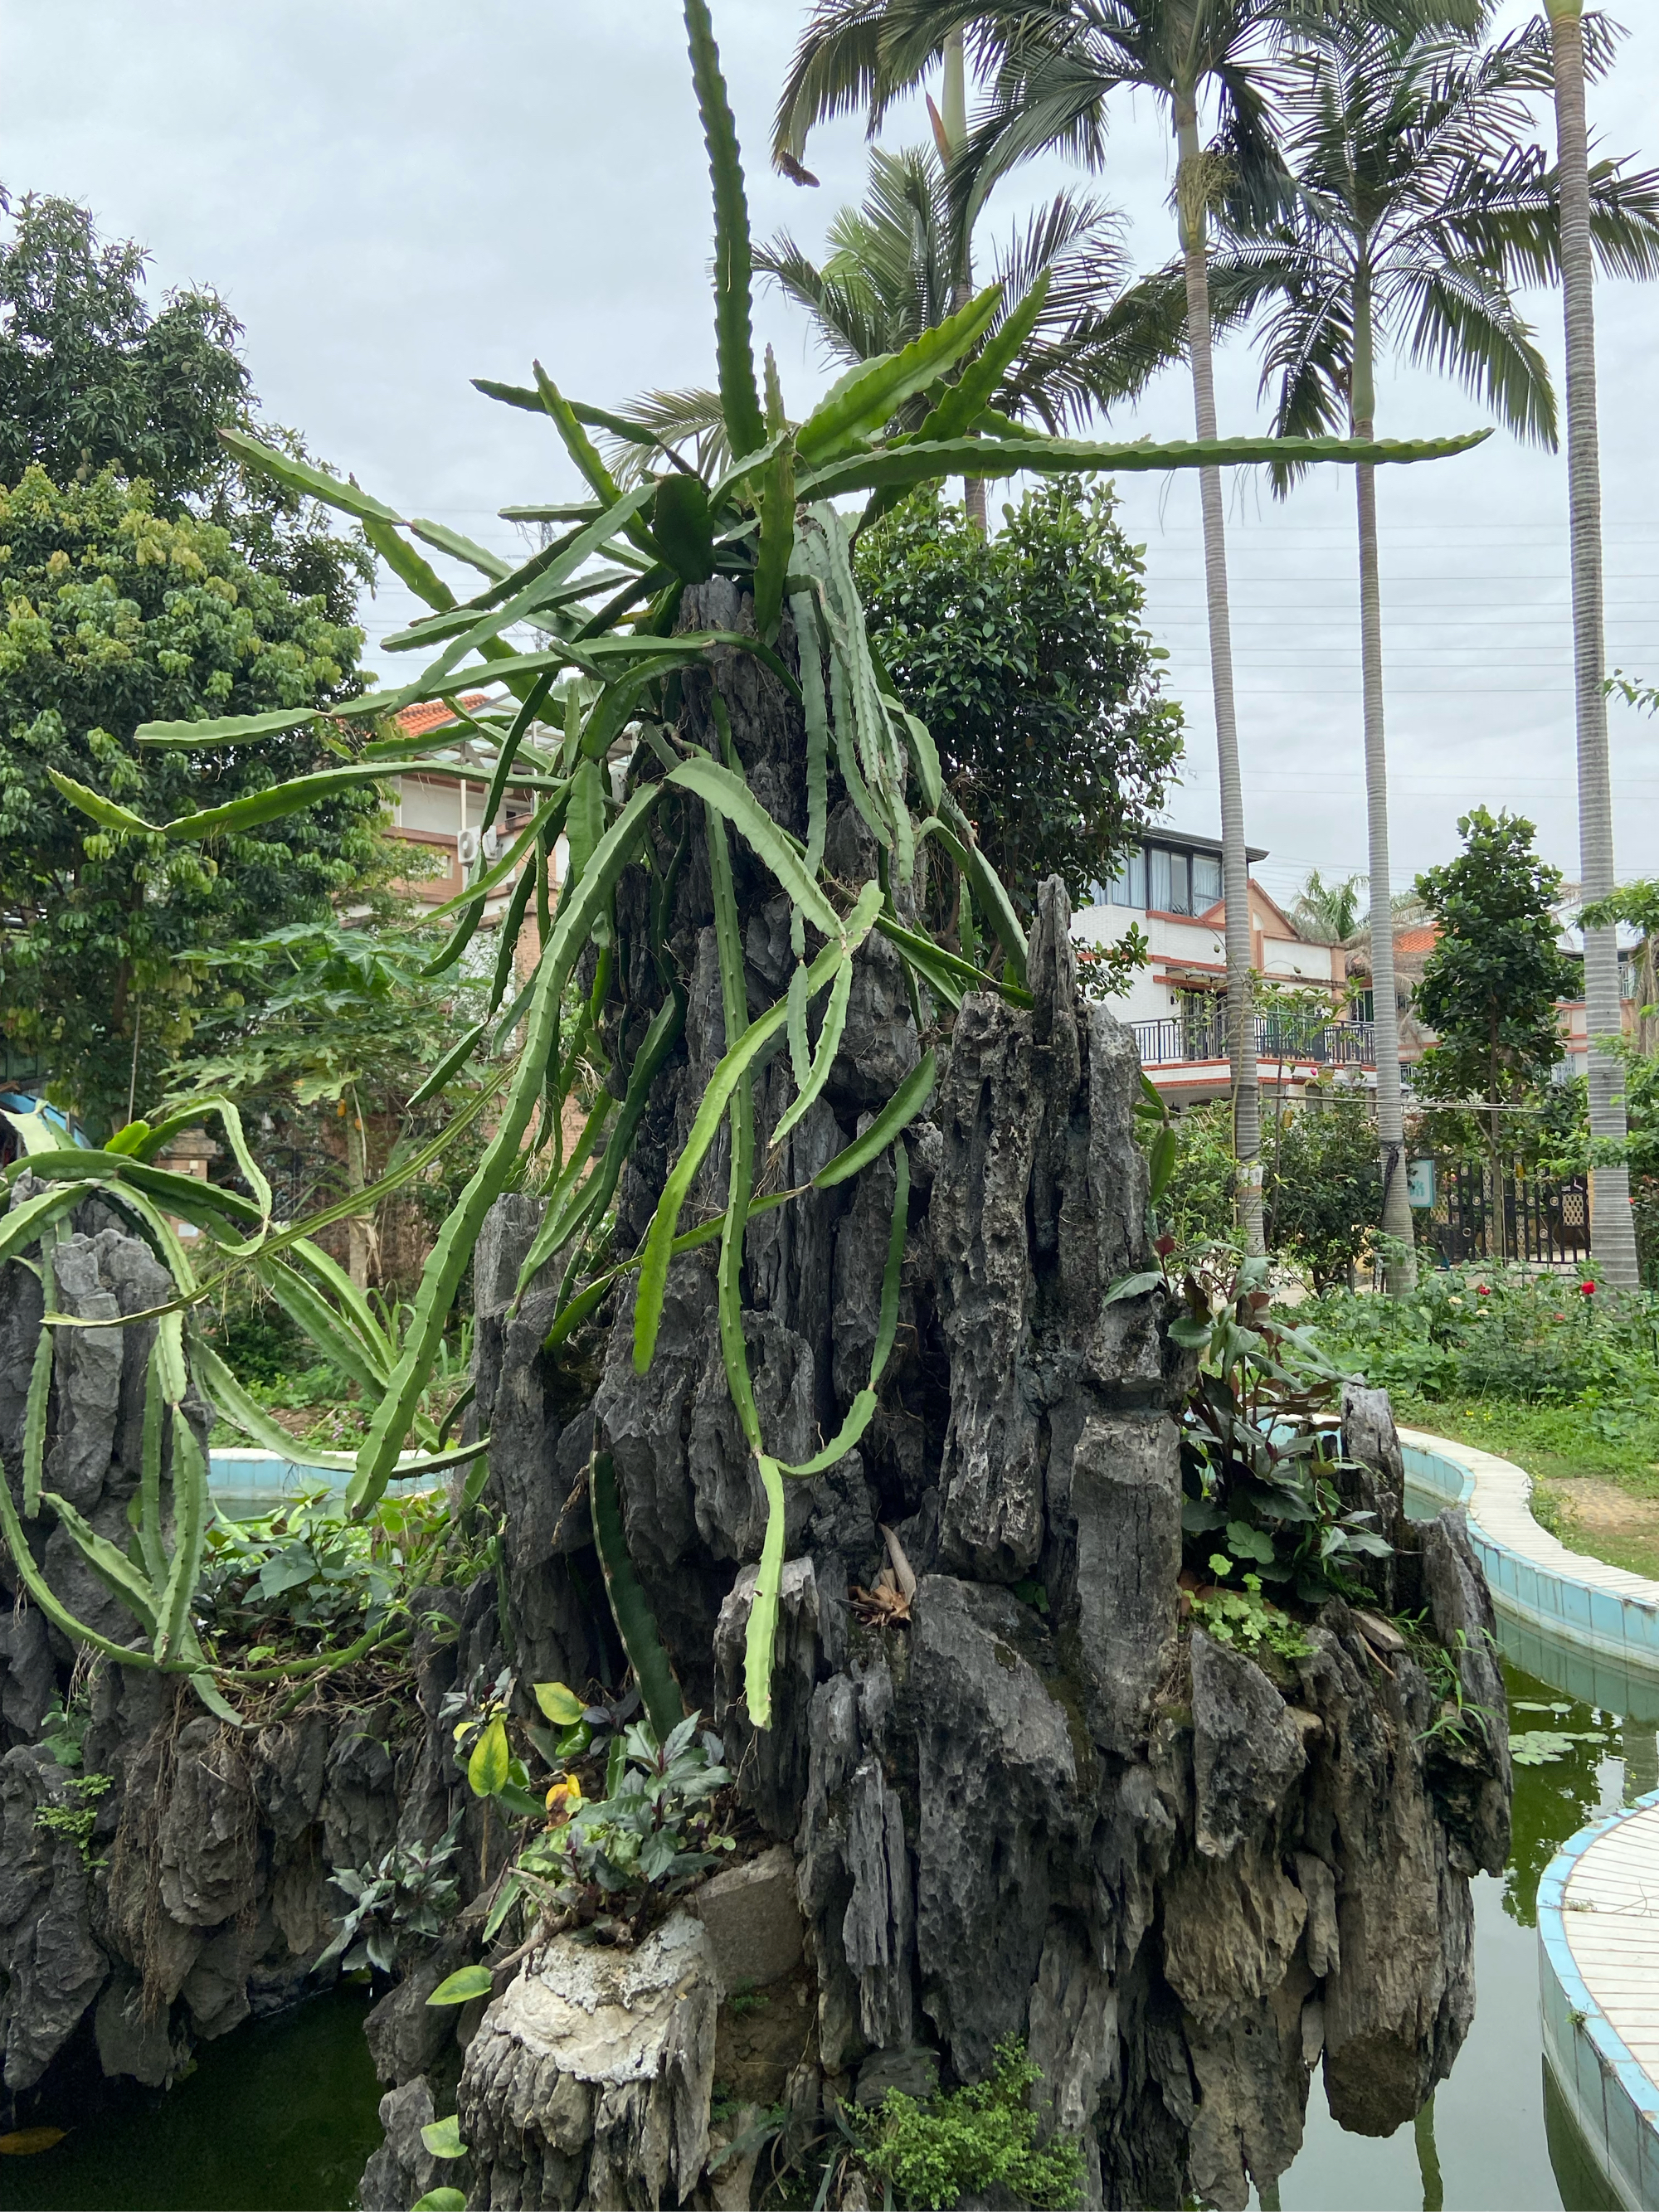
x=1610, y=2094
x=1533, y=1578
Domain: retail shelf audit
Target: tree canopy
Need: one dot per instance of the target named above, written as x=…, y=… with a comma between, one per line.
x=1025, y=655
x=116, y=615
x=1490, y=987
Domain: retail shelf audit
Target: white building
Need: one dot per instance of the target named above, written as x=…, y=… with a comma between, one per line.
x=1170, y=890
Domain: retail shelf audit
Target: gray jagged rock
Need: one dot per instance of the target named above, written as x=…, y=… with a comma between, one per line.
x=587, y=2081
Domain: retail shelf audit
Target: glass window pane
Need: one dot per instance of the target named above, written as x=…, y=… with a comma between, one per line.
x=1206, y=881
x=1138, y=881
x=1180, y=898
x=1159, y=897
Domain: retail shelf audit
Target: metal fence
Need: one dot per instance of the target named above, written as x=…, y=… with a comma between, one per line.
x=1328, y=1044
x=1482, y=1214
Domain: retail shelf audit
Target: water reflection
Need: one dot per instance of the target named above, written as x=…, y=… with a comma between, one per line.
x=1496, y=2137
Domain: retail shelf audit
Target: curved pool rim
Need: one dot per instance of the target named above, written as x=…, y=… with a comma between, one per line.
x=1610, y=2091
x=1533, y=1578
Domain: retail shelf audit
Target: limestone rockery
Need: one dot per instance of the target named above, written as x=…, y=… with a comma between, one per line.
x=1040, y=1808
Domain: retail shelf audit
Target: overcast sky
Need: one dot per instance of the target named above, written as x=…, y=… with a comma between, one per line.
x=395, y=196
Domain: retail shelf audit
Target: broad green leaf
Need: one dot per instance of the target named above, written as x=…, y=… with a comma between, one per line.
x=901, y=466
x=443, y=2138
x=1132, y=1286
x=313, y=482
x=718, y=788
x=559, y=1704
x=102, y=809
x=486, y=1768
x=864, y=401
x=901, y=1109
x=745, y=426
x=460, y=1987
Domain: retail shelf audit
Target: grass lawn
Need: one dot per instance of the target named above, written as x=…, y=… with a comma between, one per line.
x=1597, y=1494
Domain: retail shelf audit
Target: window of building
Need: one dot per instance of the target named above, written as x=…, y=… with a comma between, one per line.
x=1129, y=886
x=1206, y=881
x=1169, y=883
x=1362, y=1007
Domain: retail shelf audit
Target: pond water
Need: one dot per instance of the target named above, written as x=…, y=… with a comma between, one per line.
x=278, y=2117
x=281, y=2116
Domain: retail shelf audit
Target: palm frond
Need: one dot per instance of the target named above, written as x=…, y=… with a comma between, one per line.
x=693, y=417
x=1465, y=325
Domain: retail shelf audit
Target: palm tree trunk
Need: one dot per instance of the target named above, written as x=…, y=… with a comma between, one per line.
x=1399, y=1275
x=1613, y=1231
x=1190, y=195
x=953, y=114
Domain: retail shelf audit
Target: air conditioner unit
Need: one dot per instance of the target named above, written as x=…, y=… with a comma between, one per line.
x=466, y=846
x=494, y=844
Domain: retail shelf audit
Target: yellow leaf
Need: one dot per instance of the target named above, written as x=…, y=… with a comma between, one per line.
x=560, y=1705
x=489, y=1767
x=24, y=2143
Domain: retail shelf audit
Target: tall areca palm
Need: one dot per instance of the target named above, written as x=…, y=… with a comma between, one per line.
x=1613, y=1235
x=1414, y=205
x=1051, y=66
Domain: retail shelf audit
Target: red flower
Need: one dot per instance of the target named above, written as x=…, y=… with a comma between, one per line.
x=1558, y=1316
x=1589, y=1289
x=1163, y=1247
x=1481, y=1291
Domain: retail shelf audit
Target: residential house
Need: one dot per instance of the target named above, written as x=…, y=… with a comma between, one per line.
x=442, y=813
x=1170, y=888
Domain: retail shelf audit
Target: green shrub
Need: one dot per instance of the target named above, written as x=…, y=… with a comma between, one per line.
x=1470, y=1333
x=931, y=2153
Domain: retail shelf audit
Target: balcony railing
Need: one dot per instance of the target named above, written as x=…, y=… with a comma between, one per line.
x=1182, y=1039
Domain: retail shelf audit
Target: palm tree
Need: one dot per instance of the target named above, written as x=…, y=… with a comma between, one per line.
x=1050, y=67
x=889, y=274
x=1328, y=913
x=1414, y=203
x=1613, y=1232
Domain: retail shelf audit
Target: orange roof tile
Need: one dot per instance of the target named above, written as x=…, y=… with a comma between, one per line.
x=433, y=714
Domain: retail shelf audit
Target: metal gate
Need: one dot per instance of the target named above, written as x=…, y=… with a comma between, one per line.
x=1482, y=1214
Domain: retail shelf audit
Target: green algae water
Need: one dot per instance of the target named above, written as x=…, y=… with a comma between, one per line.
x=279, y=2116
x=1495, y=2138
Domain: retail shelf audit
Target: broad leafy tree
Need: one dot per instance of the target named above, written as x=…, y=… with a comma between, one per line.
x=1025, y=655
x=1490, y=987
x=115, y=615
